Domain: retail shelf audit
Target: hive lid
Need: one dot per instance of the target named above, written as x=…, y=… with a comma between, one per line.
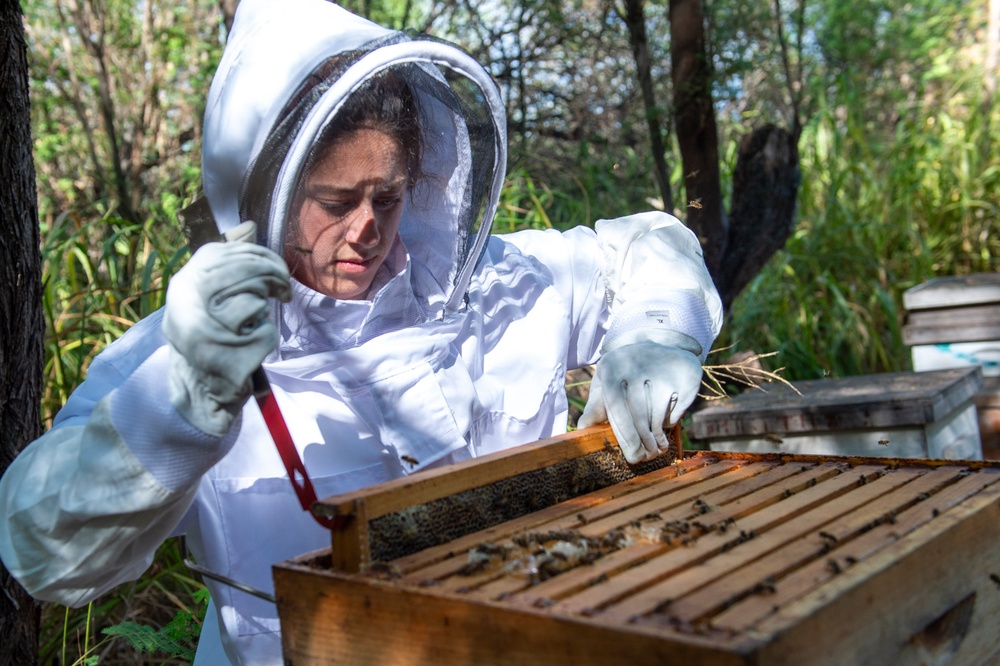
x=889, y=400
x=959, y=290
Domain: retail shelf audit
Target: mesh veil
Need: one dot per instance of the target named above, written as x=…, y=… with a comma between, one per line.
x=449, y=210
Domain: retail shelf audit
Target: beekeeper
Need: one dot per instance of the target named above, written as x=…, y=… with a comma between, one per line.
x=396, y=333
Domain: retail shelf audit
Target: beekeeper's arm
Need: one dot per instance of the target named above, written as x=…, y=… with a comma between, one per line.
x=664, y=315
x=84, y=507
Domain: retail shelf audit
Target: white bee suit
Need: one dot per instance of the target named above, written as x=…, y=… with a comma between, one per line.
x=462, y=350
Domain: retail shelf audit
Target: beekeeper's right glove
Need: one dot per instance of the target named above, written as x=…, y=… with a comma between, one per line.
x=217, y=325
x=639, y=389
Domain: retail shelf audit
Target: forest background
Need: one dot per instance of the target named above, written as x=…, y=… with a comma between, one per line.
x=890, y=177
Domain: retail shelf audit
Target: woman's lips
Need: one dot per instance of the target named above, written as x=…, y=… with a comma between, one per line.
x=354, y=265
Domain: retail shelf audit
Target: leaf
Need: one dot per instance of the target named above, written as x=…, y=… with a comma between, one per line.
x=145, y=639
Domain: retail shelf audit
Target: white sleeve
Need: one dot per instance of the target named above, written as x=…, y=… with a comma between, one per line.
x=658, y=286
x=84, y=507
x=572, y=262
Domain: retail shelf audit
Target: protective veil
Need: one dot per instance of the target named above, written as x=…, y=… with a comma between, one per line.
x=459, y=349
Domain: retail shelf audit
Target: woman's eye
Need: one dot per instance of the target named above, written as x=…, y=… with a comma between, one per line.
x=336, y=207
x=388, y=203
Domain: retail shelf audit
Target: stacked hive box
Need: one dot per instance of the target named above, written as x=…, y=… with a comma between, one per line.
x=904, y=415
x=955, y=322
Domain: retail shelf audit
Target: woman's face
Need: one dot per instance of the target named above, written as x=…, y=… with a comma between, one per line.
x=353, y=198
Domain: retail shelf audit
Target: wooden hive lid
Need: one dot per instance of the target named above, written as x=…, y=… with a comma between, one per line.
x=954, y=291
x=889, y=400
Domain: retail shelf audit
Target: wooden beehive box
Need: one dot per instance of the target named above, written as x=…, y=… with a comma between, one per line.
x=900, y=414
x=719, y=558
x=954, y=322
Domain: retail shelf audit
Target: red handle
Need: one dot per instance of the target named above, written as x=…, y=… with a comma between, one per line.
x=297, y=473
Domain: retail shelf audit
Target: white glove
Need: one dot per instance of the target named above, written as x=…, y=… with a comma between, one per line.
x=638, y=388
x=216, y=322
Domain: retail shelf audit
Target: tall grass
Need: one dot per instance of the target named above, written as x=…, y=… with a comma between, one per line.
x=99, y=277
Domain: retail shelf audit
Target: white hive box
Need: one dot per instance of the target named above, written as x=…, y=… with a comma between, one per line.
x=954, y=322
x=903, y=415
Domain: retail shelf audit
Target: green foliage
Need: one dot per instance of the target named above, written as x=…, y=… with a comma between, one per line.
x=99, y=278
x=176, y=639
x=876, y=218
x=117, y=92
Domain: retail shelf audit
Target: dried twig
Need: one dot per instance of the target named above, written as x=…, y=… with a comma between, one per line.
x=746, y=372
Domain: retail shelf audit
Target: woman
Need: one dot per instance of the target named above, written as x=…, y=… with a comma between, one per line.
x=395, y=332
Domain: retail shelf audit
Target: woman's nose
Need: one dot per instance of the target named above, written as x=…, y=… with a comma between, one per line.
x=363, y=229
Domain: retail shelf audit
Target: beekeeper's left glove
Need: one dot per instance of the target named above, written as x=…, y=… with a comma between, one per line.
x=216, y=322
x=638, y=388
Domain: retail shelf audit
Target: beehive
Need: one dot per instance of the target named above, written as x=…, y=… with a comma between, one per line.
x=954, y=322
x=718, y=558
x=898, y=414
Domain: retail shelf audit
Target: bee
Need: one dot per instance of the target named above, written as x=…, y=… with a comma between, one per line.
x=695, y=203
x=384, y=570
x=703, y=507
x=603, y=578
x=766, y=586
x=883, y=442
x=774, y=439
x=410, y=460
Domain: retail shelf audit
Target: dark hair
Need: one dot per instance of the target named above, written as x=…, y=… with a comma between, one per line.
x=385, y=103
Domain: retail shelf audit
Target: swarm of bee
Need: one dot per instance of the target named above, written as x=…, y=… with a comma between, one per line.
x=539, y=556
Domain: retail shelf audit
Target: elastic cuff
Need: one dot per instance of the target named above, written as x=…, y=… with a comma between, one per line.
x=678, y=319
x=172, y=449
x=659, y=336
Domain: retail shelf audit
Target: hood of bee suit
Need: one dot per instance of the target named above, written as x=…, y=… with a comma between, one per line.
x=286, y=70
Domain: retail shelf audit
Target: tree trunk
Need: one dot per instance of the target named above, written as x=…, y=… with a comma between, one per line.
x=697, y=135
x=228, y=9
x=635, y=19
x=762, y=215
x=21, y=322
x=766, y=180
